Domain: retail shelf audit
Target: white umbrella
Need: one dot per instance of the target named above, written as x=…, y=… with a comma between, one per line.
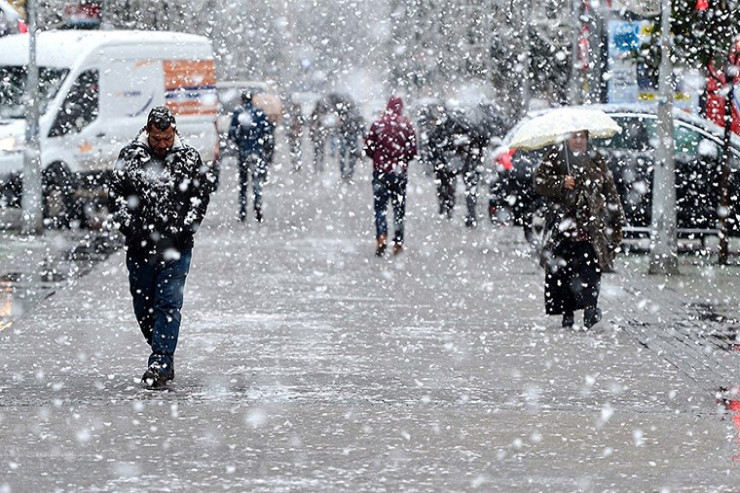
x=270, y=104
x=554, y=126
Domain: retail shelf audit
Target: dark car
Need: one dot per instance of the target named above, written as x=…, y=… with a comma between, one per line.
x=698, y=155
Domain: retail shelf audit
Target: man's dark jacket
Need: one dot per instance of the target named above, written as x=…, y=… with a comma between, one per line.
x=159, y=204
x=251, y=130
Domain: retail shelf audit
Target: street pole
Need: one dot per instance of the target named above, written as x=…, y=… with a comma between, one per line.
x=31, y=198
x=522, y=33
x=724, y=245
x=574, y=89
x=664, y=247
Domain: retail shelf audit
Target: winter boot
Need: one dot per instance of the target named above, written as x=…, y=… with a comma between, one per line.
x=380, y=246
x=591, y=316
x=157, y=376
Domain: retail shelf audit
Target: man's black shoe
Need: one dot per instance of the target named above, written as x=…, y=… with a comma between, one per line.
x=591, y=316
x=568, y=320
x=156, y=376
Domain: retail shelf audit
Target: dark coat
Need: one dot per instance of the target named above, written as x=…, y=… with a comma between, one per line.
x=595, y=202
x=350, y=123
x=251, y=130
x=159, y=204
x=391, y=142
x=295, y=122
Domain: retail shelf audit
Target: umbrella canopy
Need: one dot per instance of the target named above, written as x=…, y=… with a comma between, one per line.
x=554, y=126
x=270, y=104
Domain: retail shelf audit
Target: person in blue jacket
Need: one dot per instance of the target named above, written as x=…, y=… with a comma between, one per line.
x=250, y=130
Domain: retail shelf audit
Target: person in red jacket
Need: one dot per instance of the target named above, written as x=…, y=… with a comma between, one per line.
x=391, y=143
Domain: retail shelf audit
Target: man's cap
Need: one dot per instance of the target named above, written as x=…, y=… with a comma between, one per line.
x=161, y=117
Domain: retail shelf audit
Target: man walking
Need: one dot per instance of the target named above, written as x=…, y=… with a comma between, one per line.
x=252, y=132
x=158, y=196
x=391, y=143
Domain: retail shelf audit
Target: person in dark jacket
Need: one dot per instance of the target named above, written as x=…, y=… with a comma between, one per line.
x=457, y=148
x=391, y=143
x=472, y=152
x=251, y=131
x=584, y=220
x=319, y=134
x=159, y=194
x=350, y=133
x=439, y=152
x=294, y=129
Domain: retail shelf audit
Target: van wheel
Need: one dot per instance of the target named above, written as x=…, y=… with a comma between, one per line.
x=59, y=190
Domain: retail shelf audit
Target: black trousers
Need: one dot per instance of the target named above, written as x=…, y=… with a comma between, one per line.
x=573, y=279
x=445, y=180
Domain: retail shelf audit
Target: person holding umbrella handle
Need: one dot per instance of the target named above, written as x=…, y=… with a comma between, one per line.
x=583, y=227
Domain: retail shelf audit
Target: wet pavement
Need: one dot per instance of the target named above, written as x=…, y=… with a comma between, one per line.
x=33, y=267
x=307, y=364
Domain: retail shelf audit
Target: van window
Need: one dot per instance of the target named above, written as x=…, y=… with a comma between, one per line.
x=13, y=89
x=80, y=107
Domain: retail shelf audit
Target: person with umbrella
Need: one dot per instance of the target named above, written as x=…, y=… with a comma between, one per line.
x=584, y=219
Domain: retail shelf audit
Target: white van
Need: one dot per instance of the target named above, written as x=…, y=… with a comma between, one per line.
x=96, y=89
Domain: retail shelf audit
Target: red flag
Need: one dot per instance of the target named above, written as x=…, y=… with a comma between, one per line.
x=702, y=4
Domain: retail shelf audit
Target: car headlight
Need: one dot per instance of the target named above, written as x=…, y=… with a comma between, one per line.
x=8, y=144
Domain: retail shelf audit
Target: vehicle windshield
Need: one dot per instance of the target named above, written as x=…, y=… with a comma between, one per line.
x=640, y=133
x=13, y=88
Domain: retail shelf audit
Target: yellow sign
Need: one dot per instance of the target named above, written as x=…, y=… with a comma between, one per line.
x=652, y=96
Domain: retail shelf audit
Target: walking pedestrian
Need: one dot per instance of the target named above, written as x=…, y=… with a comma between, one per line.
x=584, y=219
x=294, y=124
x=251, y=131
x=439, y=153
x=159, y=194
x=318, y=133
x=391, y=143
x=472, y=153
x=349, y=133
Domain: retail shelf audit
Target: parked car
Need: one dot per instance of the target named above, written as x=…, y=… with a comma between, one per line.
x=11, y=21
x=698, y=148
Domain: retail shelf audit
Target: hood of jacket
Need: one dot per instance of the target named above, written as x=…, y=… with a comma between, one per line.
x=395, y=105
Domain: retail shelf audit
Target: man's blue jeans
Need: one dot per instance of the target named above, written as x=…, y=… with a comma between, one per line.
x=157, y=288
x=389, y=186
